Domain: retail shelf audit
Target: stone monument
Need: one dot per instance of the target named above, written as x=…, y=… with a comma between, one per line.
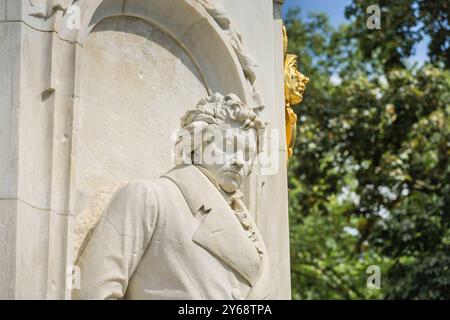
x=188, y=234
x=91, y=93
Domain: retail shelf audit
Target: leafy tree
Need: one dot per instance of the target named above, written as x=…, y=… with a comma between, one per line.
x=370, y=178
x=404, y=24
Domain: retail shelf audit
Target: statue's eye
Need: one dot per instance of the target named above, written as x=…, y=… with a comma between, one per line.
x=229, y=145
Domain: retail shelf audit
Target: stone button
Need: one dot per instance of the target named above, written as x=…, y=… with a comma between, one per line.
x=237, y=294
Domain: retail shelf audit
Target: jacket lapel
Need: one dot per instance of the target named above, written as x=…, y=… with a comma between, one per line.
x=220, y=233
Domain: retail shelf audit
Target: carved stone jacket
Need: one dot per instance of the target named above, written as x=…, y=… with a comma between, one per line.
x=172, y=238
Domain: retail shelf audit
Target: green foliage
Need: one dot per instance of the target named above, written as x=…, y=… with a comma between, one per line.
x=404, y=23
x=370, y=178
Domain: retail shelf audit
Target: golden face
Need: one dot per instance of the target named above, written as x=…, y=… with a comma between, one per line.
x=294, y=87
x=295, y=81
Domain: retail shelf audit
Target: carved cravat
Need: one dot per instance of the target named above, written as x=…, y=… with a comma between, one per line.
x=236, y=203
x=242, y=213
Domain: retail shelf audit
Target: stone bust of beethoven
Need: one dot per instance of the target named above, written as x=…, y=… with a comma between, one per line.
x=187, y=234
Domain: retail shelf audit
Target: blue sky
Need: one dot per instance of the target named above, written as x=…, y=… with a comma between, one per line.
x=335, y=10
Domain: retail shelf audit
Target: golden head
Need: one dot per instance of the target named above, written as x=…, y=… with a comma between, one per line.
x=294, y=81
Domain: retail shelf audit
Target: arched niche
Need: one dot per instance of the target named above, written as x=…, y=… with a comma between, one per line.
x=140, y=64
x=209, y=61
x=102, y=146
x=136, y=81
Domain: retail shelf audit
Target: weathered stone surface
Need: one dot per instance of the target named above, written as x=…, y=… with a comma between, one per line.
x=32, y=252
x=2, y=10
x=9, y=100
x=35, y=113
x=8, y=216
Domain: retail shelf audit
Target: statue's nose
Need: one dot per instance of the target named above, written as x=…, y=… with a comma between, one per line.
x=238, y=163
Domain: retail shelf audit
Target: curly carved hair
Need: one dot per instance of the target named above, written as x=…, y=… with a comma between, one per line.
x=211, y=113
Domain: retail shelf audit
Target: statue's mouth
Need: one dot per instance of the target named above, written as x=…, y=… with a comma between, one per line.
x=233, y=172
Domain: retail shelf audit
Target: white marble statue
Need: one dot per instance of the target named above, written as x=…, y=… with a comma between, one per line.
x=187, y=234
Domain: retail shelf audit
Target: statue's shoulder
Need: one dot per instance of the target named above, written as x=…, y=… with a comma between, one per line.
x=123, y=204
x=150, y=187
x=137, y=186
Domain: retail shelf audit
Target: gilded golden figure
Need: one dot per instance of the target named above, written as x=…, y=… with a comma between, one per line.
x=294, y=86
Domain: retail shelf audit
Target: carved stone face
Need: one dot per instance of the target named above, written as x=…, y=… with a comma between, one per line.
x=295, y=81
x=233, y=152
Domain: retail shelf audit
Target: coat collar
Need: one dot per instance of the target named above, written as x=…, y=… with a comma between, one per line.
x=220, y=233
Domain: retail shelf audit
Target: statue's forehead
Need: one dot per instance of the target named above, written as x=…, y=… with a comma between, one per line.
x=244, y=138
x=239, y=132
